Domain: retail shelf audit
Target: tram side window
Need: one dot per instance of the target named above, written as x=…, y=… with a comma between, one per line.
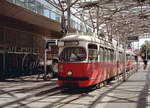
x=122, y=57
x=130, y=57
x=110, y=59
x=92, y=53
x=108, y=55
x=127, y=57
x=105, y=55
x=101, y=54
x=112, y=55
x=115, y=55
x=119, y=56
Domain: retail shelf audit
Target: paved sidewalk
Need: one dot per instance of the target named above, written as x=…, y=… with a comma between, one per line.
x=134, y=93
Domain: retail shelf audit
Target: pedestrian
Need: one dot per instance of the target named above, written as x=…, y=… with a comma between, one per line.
x=145, y=61
x=136, y=59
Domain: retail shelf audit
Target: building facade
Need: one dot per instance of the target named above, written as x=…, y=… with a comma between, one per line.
x=23, y=26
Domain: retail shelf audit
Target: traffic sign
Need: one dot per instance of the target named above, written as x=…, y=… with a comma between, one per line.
x=133, y=38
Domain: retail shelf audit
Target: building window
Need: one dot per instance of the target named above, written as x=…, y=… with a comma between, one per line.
x=31, y=5
x=58, y=17
x=39, y=8
x=46, y=13
x=53, y=15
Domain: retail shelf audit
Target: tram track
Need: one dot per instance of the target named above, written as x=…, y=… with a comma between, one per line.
x=40, y=92
x=53, y=91
x=50, y=90
x=76, y=98
x=67, y=97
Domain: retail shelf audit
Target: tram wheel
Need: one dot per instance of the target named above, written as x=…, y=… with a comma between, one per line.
x=105, y=83
x=45, y=77
x=98, y=85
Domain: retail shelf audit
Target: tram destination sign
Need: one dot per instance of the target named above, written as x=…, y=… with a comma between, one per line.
x=132, y=38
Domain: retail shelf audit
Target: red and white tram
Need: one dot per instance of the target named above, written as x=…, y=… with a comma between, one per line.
x=130, y=57
x=86, y=60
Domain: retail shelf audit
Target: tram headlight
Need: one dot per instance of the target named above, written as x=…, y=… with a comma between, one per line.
x=69, y=73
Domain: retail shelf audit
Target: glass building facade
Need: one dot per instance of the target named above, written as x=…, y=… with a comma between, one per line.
x=43, y=8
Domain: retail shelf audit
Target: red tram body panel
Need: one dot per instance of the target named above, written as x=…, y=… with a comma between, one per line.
x=85, y=74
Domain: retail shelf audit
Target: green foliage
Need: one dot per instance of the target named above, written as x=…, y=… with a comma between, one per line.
x=102, y=34
x=143, y=48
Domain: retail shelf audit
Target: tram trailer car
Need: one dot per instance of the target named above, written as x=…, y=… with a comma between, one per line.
x=86, y=60
x=130, y=60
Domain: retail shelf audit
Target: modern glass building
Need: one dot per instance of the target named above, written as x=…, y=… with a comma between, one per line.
x=46, y=9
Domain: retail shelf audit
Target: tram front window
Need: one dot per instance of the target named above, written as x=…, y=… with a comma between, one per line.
x=73, y=54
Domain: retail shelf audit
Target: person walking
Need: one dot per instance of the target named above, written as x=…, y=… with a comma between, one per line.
x=136, y=59
x=145, y=61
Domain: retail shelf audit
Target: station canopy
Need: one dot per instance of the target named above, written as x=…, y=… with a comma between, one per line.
x=114, y=18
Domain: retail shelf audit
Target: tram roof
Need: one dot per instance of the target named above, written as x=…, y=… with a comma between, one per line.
x=81, y=37
x=88, y=37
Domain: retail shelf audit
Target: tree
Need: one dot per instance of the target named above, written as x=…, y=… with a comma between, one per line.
x=102, y=34
x=143, y=48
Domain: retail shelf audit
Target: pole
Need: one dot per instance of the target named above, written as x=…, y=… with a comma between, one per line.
x=45, y=60
x=97, y=20
x=146, y=48
x=117, y=59
x=137, y=65
x=63, y=20
x=124, y=74
x=68, y=15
